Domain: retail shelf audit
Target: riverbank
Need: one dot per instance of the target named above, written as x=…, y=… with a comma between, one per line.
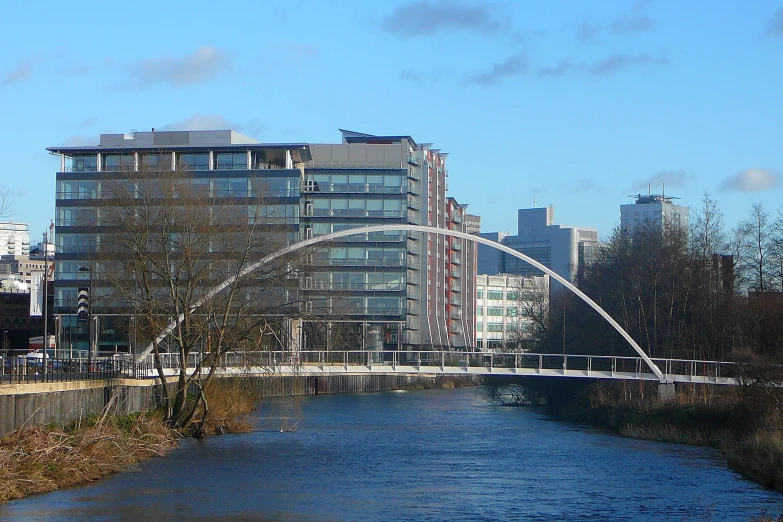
x=45, y=458
x=744, y=424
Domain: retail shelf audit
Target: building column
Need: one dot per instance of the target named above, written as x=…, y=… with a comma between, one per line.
x=249, y=159
x=211, y=160
x=98, y=167
x=173, y=160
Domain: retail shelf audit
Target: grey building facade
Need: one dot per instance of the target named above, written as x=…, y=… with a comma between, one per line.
x=393, y=290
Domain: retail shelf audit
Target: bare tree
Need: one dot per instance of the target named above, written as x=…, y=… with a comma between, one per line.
x=170, y=242
x=754, y=248
x=6, y=204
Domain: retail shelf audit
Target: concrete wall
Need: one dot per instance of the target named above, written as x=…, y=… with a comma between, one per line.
x=24, y=405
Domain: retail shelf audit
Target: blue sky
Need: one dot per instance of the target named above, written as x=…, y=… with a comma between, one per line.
x=574, y=104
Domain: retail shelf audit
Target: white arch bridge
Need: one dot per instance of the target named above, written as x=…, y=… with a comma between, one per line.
x=641, y=367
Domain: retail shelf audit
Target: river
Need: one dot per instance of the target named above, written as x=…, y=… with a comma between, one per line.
x=418, y=455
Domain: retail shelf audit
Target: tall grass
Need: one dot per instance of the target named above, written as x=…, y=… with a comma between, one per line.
x=46, y=458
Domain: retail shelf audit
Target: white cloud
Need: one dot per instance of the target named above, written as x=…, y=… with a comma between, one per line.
x=202, y=66
x=750, y=180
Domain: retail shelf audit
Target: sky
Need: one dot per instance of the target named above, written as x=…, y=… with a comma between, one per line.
x=574, y=104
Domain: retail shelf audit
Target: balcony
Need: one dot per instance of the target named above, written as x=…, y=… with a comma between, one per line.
x=456, y=274
x=413, y=160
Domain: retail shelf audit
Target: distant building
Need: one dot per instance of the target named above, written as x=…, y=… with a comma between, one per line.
x=501, y=323
x=561, y=248
x=14, y=239
x=655, y=209
x=472, y=224
x=16, y=272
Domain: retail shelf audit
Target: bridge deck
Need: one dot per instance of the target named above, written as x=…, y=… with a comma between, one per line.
x=322, y=363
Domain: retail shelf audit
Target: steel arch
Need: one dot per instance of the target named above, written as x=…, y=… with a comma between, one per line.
x=410, y=228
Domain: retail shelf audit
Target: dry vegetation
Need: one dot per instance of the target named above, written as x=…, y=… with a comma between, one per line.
x=229, y=402
x=46, y=458
x=39, y=459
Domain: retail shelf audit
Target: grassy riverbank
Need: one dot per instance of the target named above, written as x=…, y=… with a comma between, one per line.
x=745, y=424
x=40, y=459
x=46, y=458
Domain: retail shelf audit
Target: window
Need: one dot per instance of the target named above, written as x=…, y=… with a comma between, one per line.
x=494, y=327
x=85, y=163
x=494, y=312
x=479, y=327
x=231, y=160
x=479, y=310
x=496, y=295
x=194, y=161
x=511, y=296
x=160, y=161
x=480, y=294
x=117, y=162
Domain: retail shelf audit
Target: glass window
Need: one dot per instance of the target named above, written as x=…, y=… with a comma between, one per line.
x=338, y=253
x=194, y=161
x=392, y=204
x=237, y=187
x=67, y=189
x=374, y=180
x=356, y=253
x=117, y=162
x=392, y=181
x=200, y=187
x=492, y=327
x=356, y=204
x=480, y=294
x=231, y=160
x=479, y=327
x=511, y=296
x=220, y=188
x=511, y=312
x=479, y=310
x=494, y=311
x=156, y=161
x=496, y=295
x=339, y=179
x=85, y=163
x=374, y=204
x=340, y=204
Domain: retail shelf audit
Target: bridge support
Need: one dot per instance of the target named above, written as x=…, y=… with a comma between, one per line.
x=666, y=391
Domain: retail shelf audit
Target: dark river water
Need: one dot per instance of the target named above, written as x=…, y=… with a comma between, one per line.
x=424, y=455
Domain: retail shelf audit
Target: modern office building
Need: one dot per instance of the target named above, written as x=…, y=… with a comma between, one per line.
x=504, y=306
x=14, y=239
x=399, y=289
x=561, y=248
x=655, y=209
x=392, y=290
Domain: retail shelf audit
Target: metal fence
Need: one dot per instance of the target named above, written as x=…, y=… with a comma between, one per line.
x=24, y=370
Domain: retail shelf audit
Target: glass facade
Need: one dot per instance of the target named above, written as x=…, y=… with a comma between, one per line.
x=85, y=196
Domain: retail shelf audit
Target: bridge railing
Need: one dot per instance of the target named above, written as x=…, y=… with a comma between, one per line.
x=605, y=364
